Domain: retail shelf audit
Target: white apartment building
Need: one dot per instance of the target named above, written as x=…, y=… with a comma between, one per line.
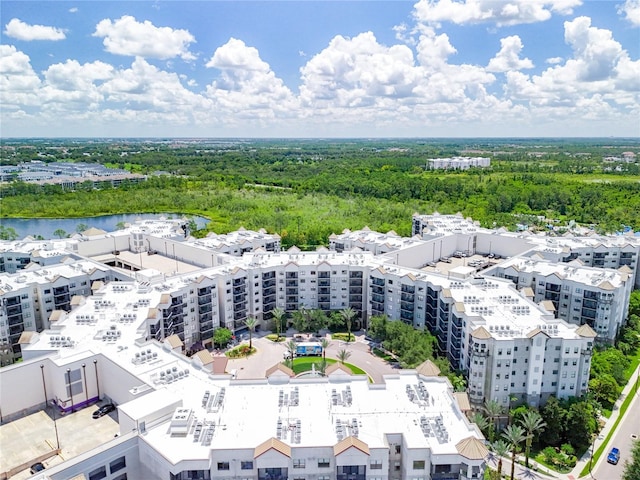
x=186, y=287
x=458, y=163
x=581, y=295
x=30, y=296
x=177, y=420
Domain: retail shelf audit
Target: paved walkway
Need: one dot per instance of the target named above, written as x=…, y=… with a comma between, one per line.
x=544, y=473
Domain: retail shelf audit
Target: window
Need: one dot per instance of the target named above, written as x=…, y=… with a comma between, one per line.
x=324, y=477
x=122, y=476
x=298, y=463
x=418, y=464
x=246, y=465
x=223, y=465
x=376, y=465
x=98, y=473
x=323, y=463
x=398, y=449
x=117, y=464
x=73, y=381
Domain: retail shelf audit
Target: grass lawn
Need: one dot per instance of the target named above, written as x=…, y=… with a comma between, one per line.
x=303, y=364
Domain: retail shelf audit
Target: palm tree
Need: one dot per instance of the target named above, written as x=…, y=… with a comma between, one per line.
x=250, y=323
x=494, y=410
x=343, y=355
x=481, y=421
x=501, y=448
x=291, y=347
x=348, y=314
x=278, y=314
x=514, y=436
x=532, y=424
x=325, y=344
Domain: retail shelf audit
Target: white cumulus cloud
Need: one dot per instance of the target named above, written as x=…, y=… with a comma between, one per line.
x=595, y=50
x=20, y=30
x=508, y=58
x=127, y=36
x=509, y=12
x=631, y=11
x=246, y=84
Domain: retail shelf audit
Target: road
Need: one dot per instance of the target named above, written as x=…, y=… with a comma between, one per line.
x=623, y=439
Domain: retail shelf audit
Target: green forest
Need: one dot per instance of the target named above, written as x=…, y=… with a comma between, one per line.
x=306, y=190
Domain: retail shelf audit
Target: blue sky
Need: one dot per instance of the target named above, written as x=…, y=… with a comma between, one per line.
x=320, y=68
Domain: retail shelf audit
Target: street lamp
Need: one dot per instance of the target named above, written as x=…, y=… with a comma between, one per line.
x=46, y=403
x=70, y=389
x=95, y=366
x=86, y=390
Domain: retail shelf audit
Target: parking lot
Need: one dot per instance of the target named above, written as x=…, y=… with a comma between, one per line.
x=24, y=440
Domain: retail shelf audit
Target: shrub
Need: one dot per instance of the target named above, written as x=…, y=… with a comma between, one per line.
x=343, y=336
x=567, y=449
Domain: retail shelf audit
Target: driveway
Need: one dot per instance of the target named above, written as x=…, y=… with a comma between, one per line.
x=269, y=354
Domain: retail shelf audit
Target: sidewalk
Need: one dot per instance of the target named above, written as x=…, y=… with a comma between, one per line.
x=524, y=473
x=629, y=389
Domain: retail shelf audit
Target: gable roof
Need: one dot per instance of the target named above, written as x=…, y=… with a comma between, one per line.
x=428, y=369
x=272, y=444
x=535, y=332
x=349, y=442
x=174, y=341
x=548, y=305
x=481, y=333
x=337, y=367
x=472, y=448
x=279, y=367
x=463, y=401
x=586, y=331
x=204, y=356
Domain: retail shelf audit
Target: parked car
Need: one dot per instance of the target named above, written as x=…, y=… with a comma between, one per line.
x=36, y=467
x=614, y=456
x=104, y=410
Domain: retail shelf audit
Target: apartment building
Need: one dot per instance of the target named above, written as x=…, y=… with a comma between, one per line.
x=177, y=420
x=581, y=295
x=29, y=297
x=187, y=288
x=458, y=163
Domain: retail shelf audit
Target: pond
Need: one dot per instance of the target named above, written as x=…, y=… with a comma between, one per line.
x=45, y=227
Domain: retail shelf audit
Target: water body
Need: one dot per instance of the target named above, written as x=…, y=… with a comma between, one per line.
x=46, y=226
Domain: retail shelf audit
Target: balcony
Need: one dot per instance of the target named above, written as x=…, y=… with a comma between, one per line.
x=406, y=306
x=13, y=301
x=12, y=311
x=355, y=298
x=324, y=275
x=292, y=275
x=273, y=474
x=378, y=282
x=355, y=274
x=324, y=283
x=239, y=281
x=292, y=284
x=355, y=282
x=204, y=299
